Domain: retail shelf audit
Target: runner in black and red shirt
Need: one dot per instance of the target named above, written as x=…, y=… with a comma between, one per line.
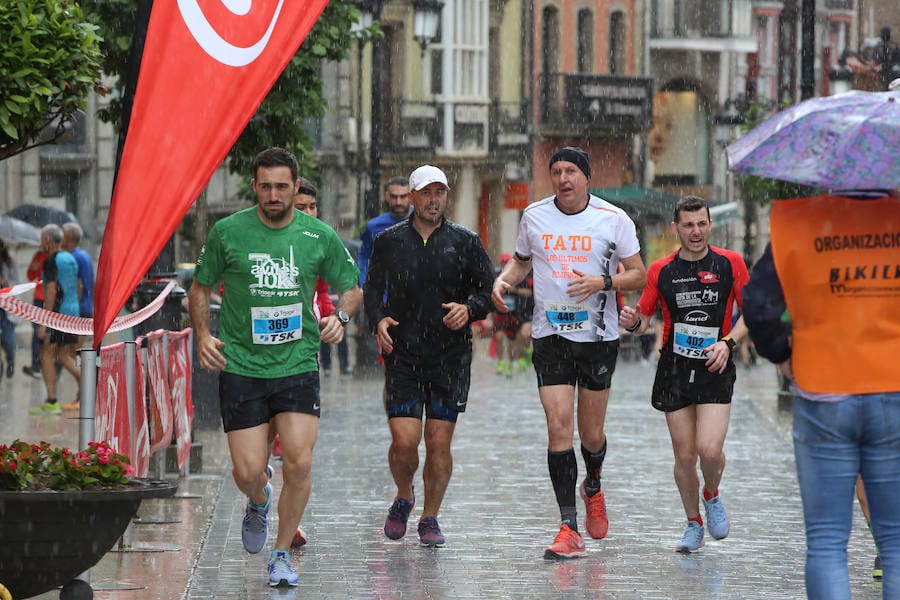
x=696, y=288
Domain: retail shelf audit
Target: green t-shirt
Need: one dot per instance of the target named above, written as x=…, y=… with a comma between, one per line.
x=267, y=320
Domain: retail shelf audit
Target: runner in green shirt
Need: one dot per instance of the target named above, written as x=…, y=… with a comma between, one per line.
x=269, y=257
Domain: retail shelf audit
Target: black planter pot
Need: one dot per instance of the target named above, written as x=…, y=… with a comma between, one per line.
x=50, y=537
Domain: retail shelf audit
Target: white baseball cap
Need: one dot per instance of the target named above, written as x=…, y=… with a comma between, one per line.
x=424, y=175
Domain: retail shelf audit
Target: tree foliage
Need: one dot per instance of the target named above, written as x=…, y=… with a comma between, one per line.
x=293, y=103
x=762, y=190
x=49, y=62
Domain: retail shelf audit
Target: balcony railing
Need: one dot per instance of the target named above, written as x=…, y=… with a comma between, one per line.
x=700, y=18
x=412, y=127
x=578, y=102
x=510, y=130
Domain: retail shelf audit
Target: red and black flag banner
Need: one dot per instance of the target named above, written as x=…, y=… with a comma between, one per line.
x=207, y=65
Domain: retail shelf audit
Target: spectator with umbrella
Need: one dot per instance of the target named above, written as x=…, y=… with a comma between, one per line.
x=834, y=263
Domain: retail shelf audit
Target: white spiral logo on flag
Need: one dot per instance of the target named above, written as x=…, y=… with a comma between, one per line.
x=213, y=43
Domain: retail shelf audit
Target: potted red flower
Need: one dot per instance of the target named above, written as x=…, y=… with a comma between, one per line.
x=61, y=511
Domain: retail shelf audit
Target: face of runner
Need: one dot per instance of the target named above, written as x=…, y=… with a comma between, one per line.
x=569, y=185
x=306, y=203
x=274, y=190
x=398, y=200
x=429, y=203
x=693, y=230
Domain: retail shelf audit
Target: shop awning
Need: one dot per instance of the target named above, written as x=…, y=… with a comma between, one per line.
x=646, y=202
x=642, y=201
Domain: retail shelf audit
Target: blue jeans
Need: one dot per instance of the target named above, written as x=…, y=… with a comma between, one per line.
x=833, y=442
x=36, y=342
x=8, y=338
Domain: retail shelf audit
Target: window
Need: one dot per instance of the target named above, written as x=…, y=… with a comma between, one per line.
x=550, y=40
x=585, y=41
x=617, y=43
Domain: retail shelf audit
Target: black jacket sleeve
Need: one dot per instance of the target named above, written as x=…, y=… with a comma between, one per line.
x=375, y=285
x=479, y=300
x=764, y=307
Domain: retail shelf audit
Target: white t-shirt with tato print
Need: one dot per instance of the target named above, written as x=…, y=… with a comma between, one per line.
x=592, y=241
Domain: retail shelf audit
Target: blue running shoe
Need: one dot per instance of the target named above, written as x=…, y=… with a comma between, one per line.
x=692, y=540
x=430, y=533
x=398, y=515
x=281, y=573
x=716, y=518
x=255, y=526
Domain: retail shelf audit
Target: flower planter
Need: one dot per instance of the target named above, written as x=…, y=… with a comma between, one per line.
x=50, y=537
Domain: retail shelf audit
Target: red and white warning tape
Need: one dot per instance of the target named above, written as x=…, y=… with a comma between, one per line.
x=76, y=325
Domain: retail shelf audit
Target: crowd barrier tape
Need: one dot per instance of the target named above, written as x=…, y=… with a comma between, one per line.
x=75, y=325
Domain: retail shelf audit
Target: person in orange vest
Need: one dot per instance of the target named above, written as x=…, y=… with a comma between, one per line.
x=834, y=263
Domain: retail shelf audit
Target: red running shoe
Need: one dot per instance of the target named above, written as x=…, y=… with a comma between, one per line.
x=276, y=447
x=567, y=544
x=299, y=539
x=595, y=522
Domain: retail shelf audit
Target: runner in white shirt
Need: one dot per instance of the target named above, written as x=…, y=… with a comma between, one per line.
x=575, y=243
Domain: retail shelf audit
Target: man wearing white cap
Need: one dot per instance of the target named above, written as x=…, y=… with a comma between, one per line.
x=436, y=278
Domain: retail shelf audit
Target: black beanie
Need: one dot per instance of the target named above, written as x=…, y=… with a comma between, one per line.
x=577, y=156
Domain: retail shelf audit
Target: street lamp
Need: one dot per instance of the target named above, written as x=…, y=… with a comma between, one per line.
x=426, y=18
x=732, y=115
x=841, y=76
x=366, y=18
x=889, y=57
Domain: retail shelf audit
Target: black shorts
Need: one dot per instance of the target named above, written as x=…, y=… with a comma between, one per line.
x=676, y=386
x=438, y=390
x=61, y=337
x=559, y=361
x=250, y=401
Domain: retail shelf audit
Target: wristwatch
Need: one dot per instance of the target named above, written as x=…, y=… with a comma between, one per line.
x=343, y=317
x=607, y=283
x=729, y=342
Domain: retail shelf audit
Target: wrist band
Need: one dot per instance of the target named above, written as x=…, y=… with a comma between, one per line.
x=634, y=327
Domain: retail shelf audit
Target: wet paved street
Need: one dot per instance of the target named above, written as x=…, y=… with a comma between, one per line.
x=498, y=515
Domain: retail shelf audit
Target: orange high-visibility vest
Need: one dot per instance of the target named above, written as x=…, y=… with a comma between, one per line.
x=838, y=260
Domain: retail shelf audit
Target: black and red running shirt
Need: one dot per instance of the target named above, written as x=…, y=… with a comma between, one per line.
x=696, y=297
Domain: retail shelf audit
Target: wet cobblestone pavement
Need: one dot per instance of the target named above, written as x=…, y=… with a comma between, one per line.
x=498, y=515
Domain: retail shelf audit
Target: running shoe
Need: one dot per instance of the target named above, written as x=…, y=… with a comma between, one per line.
x=276, y=447
x=430, y=533
x=270, y=472
x=877, y=573
x=716, y=518
x=299, y=539
x=46, y=408
x=692, y=540
x=567, y=544
x=71, y=405
x=10, y=370
x=501, y=367
x=595, y=522
x=281, y=573
x=398, y=515
x=255, y=526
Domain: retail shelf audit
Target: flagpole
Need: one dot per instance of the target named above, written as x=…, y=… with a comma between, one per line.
x=163, y=267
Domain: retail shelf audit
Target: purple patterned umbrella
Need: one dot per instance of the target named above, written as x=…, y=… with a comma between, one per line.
x=846, y=142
